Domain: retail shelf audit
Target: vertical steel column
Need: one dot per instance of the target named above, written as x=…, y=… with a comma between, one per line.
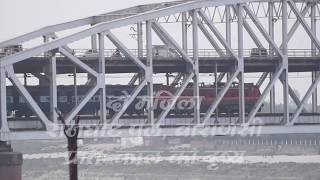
x=196, y=93
x=228, y=25
x=94, y=41
x=184, y=32
x=3, y=101
x=140, y=40
x=149, y=72
x=52, y=70
x=314, y=53
x=167, y=79
x=241, y=65
x=53, y=87
x=216, y=89
x=285, y=61
x=228, y=31
x=101, y=80
x=75, y=85
x=25, y=79
x=271, y=53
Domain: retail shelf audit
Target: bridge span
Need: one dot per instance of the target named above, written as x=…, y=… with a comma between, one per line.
x=245, y=36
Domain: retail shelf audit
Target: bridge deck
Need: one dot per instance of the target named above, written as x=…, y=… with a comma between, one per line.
x=207, y=64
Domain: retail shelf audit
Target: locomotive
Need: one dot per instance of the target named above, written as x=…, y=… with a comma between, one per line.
x=118, y=94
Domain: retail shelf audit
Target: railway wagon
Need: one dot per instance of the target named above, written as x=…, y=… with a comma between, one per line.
x=117, y=95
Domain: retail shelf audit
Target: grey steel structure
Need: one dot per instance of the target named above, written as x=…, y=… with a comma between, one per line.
x=199, y=15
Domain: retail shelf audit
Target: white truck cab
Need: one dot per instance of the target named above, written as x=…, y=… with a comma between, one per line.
x=163, y=51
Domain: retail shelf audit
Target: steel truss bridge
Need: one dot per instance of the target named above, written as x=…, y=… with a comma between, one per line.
x=54, y=55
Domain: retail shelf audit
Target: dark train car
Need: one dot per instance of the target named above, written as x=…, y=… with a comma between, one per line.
x=21, y=107
x=117, y=95
x=10, y=101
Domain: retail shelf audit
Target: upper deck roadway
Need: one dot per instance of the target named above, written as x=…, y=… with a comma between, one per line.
x=299, y=61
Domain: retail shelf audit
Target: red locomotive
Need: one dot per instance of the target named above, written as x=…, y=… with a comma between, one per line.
x=207, y=94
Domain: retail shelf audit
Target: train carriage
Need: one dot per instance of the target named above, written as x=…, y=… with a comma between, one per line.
x=117, y=95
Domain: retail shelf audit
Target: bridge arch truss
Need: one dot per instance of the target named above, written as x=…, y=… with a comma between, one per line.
x=199, y=15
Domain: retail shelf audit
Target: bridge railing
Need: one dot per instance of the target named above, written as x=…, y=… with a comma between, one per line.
x=202, y=53
x=111, y=53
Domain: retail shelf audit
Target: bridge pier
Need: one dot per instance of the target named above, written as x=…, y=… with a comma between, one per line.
x=10, y=162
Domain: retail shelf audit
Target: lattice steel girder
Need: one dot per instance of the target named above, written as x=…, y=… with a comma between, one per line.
x=256, y=107
x=262, y=78
x=228, y=24
x=262, y=30
x=221, y=94
x=31, y=102
x=296, y=24
x=126, y=104
x=102, y=79
x=134, y=78
x=217, y=34
x=250, y=31
x=176, y=80
x=184, y=30
x=78, y=62
x=162, y=32
x=163, y=38
x=82, y=103
x=212, y=41
x=173, y=101
x=51, y=74
x=53, y=87
x=125, y=50
x=195, y=67
x=219, y=97
x=66, y=51
x=3, y=100
x=137, y=90
x=304, y=24
x=304, y=100
x=271, y=53
x=119, y=14
x=149, y=72
x=241, y=63
x=111, y=25
x=284, y=62
x=292, y=94
x=314, y=53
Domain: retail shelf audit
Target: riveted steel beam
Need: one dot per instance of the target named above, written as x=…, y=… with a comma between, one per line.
x=149, y=74
x=174, y=99
x=29, y=99
x=219, y=97
x=125, y=50
x=3, y=106
x=102, y=80
x=78, y=62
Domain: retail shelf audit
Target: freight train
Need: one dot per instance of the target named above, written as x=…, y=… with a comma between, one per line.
x=118, y=94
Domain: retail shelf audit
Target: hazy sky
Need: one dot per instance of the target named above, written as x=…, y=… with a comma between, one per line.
x=22, y=16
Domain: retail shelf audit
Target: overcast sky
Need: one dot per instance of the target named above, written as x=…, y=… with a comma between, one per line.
x=22, y=16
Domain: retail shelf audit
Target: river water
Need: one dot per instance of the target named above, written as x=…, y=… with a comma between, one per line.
x=101, y=160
